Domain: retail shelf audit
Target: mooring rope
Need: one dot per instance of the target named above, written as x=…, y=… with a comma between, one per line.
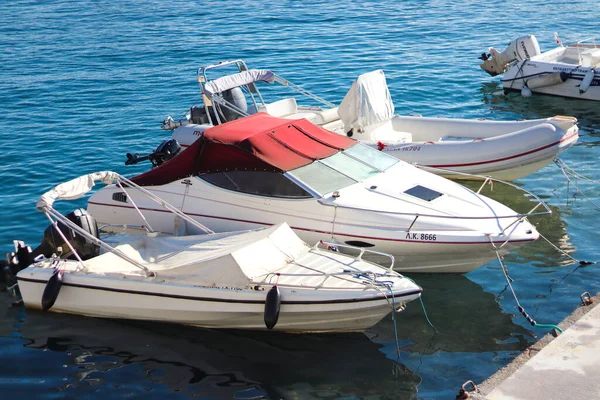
x=521, y=309
x=567, y=171
x=564, y=253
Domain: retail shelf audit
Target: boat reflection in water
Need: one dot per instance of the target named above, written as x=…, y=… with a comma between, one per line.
x=479, y=329
x=82, y=356
x=473, y=334
x=539, y=254
x=478, y=332
x=511, y=105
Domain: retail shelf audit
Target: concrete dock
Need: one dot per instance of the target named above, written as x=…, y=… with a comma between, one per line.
x=562, y=367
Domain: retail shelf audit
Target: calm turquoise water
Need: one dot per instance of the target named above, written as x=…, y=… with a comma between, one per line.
x=82, y=83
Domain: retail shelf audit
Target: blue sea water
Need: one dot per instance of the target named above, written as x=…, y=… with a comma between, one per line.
x=83, y=83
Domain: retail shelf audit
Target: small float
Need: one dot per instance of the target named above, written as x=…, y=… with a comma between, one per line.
x=569, y=71
x=260, y=279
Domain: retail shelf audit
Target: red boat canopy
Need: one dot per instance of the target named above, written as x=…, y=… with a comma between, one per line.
x=257, y=142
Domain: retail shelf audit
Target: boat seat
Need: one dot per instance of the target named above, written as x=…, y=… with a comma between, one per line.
x=280, y=108
x=326, y=116
x=334, y=126
x=590, y=57
x=287, y=108
x=384, y=132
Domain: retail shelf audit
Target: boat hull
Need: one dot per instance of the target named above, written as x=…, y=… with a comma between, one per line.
x=514, y=79
x=418, y=250
x=459, y=148
x=506, y=150
x=301, y=312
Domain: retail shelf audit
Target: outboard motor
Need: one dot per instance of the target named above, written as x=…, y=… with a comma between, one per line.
x=198, y=115
x=166, y=150
x=522, y=48
x=52, y=240
x=234, y=96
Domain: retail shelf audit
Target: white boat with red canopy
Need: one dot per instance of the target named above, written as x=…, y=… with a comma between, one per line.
x=454, y=148
x=261, y=170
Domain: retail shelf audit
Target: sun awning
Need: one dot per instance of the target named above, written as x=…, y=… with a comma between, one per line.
x=257, y=142
x=235, y=80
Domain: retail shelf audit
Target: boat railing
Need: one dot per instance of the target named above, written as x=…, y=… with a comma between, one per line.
x=52, y=213
x=580, y=46
x=301, y=90
x=79, y=187
x=361, y=250
x=590, y=39
x=367, y=279
x=217, y=98
x=486, y=180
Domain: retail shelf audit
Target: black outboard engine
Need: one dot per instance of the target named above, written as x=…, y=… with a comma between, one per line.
x=166, y=150
x=234, y=96
x=52, y=240
x=82, y=245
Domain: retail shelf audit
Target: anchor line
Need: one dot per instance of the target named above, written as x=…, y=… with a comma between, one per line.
x=521, y=309
x=567, y=171
x=519, y=71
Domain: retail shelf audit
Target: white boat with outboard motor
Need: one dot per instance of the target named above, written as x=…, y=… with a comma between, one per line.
x=262, y=170
x=505, y=150
x=260, y=279
x=569, y=71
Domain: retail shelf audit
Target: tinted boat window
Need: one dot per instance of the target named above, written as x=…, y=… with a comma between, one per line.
x=263, y=183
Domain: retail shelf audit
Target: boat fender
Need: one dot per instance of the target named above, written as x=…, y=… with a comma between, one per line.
x=546, y=80
x=526, y=92
x=52, y=289
x=272, y=306
x=587, y=81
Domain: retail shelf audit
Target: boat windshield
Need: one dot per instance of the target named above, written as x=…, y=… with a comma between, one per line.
x=370, y=156
x=321, y=178
x=343, y=169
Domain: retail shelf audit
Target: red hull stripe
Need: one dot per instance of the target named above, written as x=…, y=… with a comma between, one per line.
x=564, y=139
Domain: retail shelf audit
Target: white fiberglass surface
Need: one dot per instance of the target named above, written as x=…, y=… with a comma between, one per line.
x=343, y=169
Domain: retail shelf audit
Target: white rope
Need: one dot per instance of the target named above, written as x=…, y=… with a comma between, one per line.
x=568, y=171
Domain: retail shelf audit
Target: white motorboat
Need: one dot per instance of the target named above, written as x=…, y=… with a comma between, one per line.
x=261, y=279
x=568, y=71
x=262, y=170
x=454, y=148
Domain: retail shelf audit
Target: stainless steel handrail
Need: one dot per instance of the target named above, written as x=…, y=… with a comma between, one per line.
x=362, y=251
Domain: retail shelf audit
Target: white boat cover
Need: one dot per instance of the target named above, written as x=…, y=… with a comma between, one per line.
x=235, y=80
x=228, y=260
x=74, y=188
x=368, y=102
